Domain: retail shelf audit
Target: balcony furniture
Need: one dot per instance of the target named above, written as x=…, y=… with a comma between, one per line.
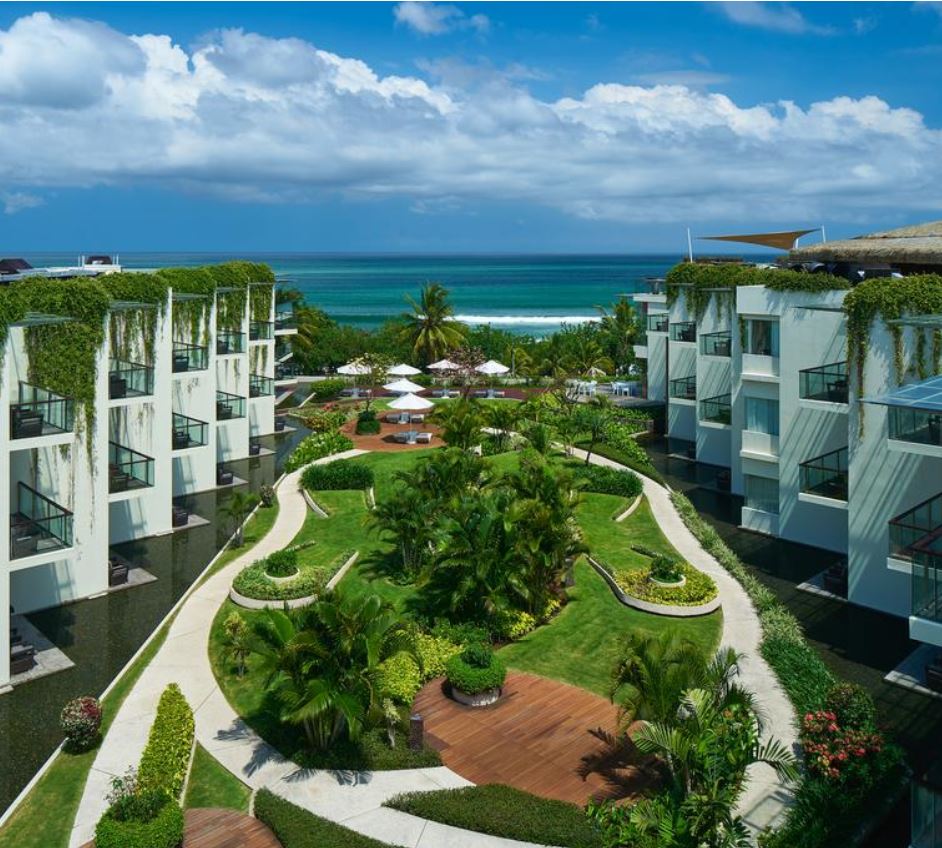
x=181, y=362
x=117, y=572
x=179, y=517
x=224, y=476
x=724, y=480
x=417, y=419
x=118, y=480
x=25, y=423
x=935, y=431
x=22, y=659
x=255, y=448
x=117, y=386
x=837, y=391
x=24, y=540
x=222, y=346
x=724, y=347
x=223, y=411
x=279, y=425
x=835, y=579
x=181, y=439
x=424, y=438
x=934, y=673
x=826, y=382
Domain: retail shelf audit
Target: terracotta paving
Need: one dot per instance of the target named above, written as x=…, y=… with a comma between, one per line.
x=533, y=738
x=385, y=440
x=216, y=828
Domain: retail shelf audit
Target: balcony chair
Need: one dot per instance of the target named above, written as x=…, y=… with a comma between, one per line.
x=181, y=362
x=223, y=411
x=835, y=579
x=279, y=425
x=224, y=477
x=179, y=517
x=118, y=481
x=22, y=659
x=117, y=386
x=222, y=347
x=837, y=391
x=26, y=423
x=255, y=448
x=181, y=439
x=934, y=673
x=117, y=572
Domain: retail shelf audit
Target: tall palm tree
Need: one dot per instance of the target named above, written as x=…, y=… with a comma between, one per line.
x=587, y=357
x=620, y=327
x=593, y=419
x=430, y=326
x=502, y=418
x=445, y=474
x=409, y=519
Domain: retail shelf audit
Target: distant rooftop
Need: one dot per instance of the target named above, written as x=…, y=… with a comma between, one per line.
x=917, y=245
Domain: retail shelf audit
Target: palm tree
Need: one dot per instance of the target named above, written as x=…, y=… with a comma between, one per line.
x=446, y=474
x=430, y=326
x=460, y=421
x=236, y=510
x=587, y=357
x=502, y=418
x=409, y=518
x=236, y=631
x=621, y=328
x=593, y=420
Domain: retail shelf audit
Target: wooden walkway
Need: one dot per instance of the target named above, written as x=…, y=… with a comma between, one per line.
x=217, y=828
x=534, y=738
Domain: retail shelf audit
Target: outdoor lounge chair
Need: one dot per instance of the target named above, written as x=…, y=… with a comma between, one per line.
x=179, y=517
x=22, y=659
x=402, y=438
x=223, y=477
x=181, y=439
x=835, y=579
x=424, y=438
x=181, y=362
x=117, y=572
x=418, y=418
x=25, y=423
x=117, y=386
x=934, y=674
x=392, y=417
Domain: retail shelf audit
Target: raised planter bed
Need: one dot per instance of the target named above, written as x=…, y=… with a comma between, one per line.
x=672, y=610
x=482, y=699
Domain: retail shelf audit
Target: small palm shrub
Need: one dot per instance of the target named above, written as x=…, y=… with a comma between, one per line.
x=665, y=569
x=282, y=563
x=80, y=721
x=266, y=494
x=475, y=670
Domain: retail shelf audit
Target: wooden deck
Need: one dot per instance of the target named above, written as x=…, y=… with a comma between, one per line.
x=216, y=828
x=533, y=738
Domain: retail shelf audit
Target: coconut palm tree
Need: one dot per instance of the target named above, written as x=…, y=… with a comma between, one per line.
x=593, y=419
x=430, y=326
x=587, y=357
x=502, y=418
x=620, y=327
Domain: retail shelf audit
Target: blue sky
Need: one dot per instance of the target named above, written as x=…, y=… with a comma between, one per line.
x=462, y=127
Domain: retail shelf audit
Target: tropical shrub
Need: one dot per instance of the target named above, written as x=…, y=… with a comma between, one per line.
x=699, y=588
x=254, y=582
x=839, y=754
x=166, y=757
x=400, y=678
x=666, y=569
x=236, y=637
x=514, y=624
x=367, y=423
x=476, y=669
x=150, y=819
x=266, y=494
x=317, y=446
x=852, y=706
x=433, y=652
x=324, y=420
x=340, y=474
x=282, y=563
x=80, y=721
x=325, y=389
x=609, y=481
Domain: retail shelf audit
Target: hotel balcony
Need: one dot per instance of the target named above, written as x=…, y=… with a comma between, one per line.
x=129, y=380
x=189, y=432
x=261, y=331
x=684, y=331
x=38, y=525
x=826, y=383
x=228, y=342
x=914, y=417
x=717, y=410
x=229, y=407
x=658, y=322
x=187, y=357
x=916, y=538
x=128, y=470
x=917, y=426
x=286, y=322
x=825, y=476
x=286, y=371
x=683, y=388
x=716, y=344
x=260, y=386
x=39, y=412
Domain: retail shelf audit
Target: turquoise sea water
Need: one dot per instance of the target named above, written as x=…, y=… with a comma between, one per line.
x=532, y=294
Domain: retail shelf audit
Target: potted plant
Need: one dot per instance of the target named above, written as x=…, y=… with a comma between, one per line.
x=476, y=675
x=666, y=572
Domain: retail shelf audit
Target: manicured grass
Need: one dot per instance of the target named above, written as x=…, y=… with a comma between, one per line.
x=297, y=828
x=257, y=526
x=503, y=811
x=340, y=533
x=213, y=785
x=583, y=643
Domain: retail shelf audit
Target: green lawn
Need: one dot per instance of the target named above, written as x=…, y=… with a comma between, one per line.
x=341, y=533
x=213, y=785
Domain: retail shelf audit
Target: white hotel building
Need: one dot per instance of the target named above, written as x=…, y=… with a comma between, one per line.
x=167, y=423
x=758, y=386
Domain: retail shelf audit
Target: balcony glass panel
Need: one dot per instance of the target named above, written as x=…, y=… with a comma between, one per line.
x=927, y=585
x=229, y=406
x=260, y=330
x=684, y=331
x=286, y=320
x=684, y=387
x=827, y=382
x=129, y=379
x=717, y=409
x=188, y=432
x=927, y=809
x=229, y=342
x=260, y=386
x=915, y=425
x=39, y=524
x=658, y=322
x=287, y=370
x=39, y=412
x=825, y=475
x=918, y=531
x=761, y=493
x=187, y=357
x=128, y=469
x=716, y=344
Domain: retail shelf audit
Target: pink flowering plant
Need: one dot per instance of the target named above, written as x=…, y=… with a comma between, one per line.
x=80, y=721
x=839, y=754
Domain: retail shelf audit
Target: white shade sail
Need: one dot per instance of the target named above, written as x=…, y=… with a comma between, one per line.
x=353, y=369
x=403, y=370
x=410, y=402
x=492, y=366
x=403, y=387
x=443, y=365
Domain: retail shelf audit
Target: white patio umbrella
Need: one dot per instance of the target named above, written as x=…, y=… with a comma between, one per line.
x=403, y=387
x=411, y=402
x=596, y=372
x=353, y=369
x=403, y=370
x=492, y=368
x=442, y=365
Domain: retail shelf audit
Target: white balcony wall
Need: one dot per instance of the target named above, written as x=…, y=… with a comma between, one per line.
x=713, y=379
x=232, y=376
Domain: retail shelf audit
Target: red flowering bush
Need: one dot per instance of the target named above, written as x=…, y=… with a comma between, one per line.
x=839, y=754
x=80, y=722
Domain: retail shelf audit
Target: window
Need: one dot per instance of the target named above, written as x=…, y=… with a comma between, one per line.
x=761, y=494
x=762, y=415
x=762, y=337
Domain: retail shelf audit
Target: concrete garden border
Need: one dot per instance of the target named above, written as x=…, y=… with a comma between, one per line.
x=671, y=610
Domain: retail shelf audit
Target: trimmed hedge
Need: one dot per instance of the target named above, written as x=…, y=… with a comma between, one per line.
x=476, y=669
x=283, y=563
x=166, y=758
x=341, y=474
x=253, y=582
x=164, y=830
x=609, y=481
x=503, y=811
x=317, y=446
x=326, y=389
x=297, y=828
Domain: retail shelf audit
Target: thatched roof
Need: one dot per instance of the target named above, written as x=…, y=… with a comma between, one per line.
x=920, y=244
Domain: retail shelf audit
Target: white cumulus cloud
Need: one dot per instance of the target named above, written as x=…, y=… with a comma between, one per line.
x=428, y=18
x=780, y=17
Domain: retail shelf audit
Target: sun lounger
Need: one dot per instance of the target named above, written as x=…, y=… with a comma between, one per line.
x=416, y=419
x=424, y=438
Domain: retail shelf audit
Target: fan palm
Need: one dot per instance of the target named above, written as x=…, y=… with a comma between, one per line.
x=430, y=326
x=461, y=422
x=502, y=418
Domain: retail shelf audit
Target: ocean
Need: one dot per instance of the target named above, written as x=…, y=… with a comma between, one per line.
x=524, y=294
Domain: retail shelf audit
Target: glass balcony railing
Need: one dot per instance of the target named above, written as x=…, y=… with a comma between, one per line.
x=286, y=320
x=927, y=585
x=229, y=407
x=260, y=386
x=189, y=432
x=187, y=357
x=684, y=388
x=684, y=331
x=717, y=410
x=39, y=412
x=827, y=382
x=658, y=322
x=915, y=425
x=260, y=331
x=128, y=469
x=825, y=475
x=129, y=379
x=287, y=370
x=38, y=525
x=916, y=536
x=716, y=344
x=926, y=809
x=229, y=342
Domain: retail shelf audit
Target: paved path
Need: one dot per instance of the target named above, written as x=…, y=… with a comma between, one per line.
x=765, y=798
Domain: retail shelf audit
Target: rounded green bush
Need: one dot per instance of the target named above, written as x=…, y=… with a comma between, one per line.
x=163, y=830
x=465, y=675
x=253, y=582
x=282, y=563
